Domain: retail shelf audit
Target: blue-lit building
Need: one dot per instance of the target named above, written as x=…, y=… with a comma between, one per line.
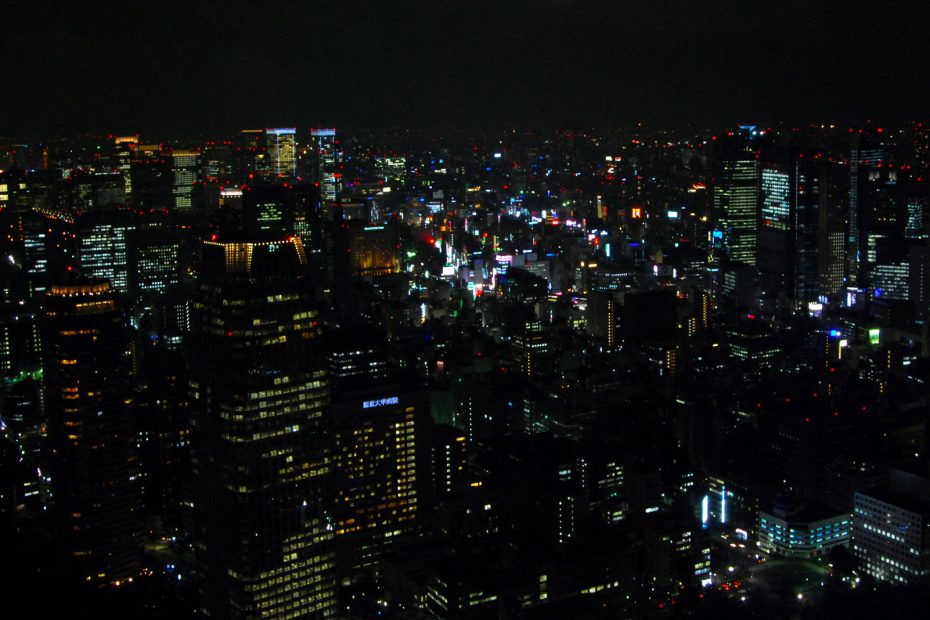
x=891, y=536
x=806, y=533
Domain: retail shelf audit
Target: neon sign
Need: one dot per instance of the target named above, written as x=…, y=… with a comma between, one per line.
x=380, y=402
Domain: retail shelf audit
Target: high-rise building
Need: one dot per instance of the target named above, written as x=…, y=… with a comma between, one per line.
x=375, y=460
x=282, y=152
x=155, y=260
x=891, y=528
x=831, y=229
x=919, y=279
x=736, y=200
x=326, y=163
x=122, y=157
x=151, y=177
x=88, y=397
x=104, y=247
x=863, y=152
x=185, y=172
x=258, y=390
x=530, y=344
x=787, y=241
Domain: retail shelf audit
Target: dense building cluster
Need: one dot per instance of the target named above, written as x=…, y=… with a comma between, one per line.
x=293, y=373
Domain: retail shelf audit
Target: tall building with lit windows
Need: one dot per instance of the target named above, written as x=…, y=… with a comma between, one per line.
x=104, y=246
x=891, y=528
x=282, y=152
x=185, y=170
x=91, y=434
x=736, y=200
x=326, y=160
x=374, y=444
x=530, y=344
x=258, y=390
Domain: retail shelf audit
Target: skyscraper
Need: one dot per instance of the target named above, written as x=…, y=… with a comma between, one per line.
x=282, y=151
x=104, y=248
x=736, y=200
x=863, y=152
x=374, y=455
x=184, y=170
x=258, y=389
x=91, y=437
x=326, y=163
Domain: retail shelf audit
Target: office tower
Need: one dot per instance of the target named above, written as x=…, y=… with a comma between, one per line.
x=326, y=163
x=831, y=229
x=122, y=158
x=889, y=269
x=185, y=170
x=268, y=210
x=88, y=399
x=448, y=457
x=919, y=280
x=357, y=250
x=775, y=213
x=863, y=152
x=154, y=260
x=151, y=177
x=258, y=388
x=530, y=345
x=354, y=362
x=282, y=152
x=163, y=411
x=787, y=256
x=603, y=314
x=882, y=219
x=891, y=528
x=308, y=218
x=104, y=246
x=736, y=201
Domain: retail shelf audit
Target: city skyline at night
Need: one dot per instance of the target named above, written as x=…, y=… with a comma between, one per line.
x=465, y=311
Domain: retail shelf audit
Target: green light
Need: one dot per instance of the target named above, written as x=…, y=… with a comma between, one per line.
x=22, y=376
x=875, y=334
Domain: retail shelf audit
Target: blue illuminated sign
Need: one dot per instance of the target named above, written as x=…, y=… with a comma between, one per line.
x=380, y=402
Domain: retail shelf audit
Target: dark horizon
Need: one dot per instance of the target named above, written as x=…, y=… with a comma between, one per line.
x=216, y=68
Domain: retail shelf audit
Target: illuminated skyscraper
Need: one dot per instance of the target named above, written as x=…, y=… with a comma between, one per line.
x=185, y=171
x=282, y=152
x=787, y=242
x=327, y=160
x=530, y=344
x=736, y=200
x=91, y=437
x=258, y=388
x=375, y=460
x=104, y=246
x=863, y=153
x=122, y=155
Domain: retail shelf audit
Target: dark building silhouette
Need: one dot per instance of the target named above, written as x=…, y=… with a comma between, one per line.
x=258, y=389
x=91, y=440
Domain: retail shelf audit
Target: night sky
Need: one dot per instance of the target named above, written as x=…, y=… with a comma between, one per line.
x=204, y=67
